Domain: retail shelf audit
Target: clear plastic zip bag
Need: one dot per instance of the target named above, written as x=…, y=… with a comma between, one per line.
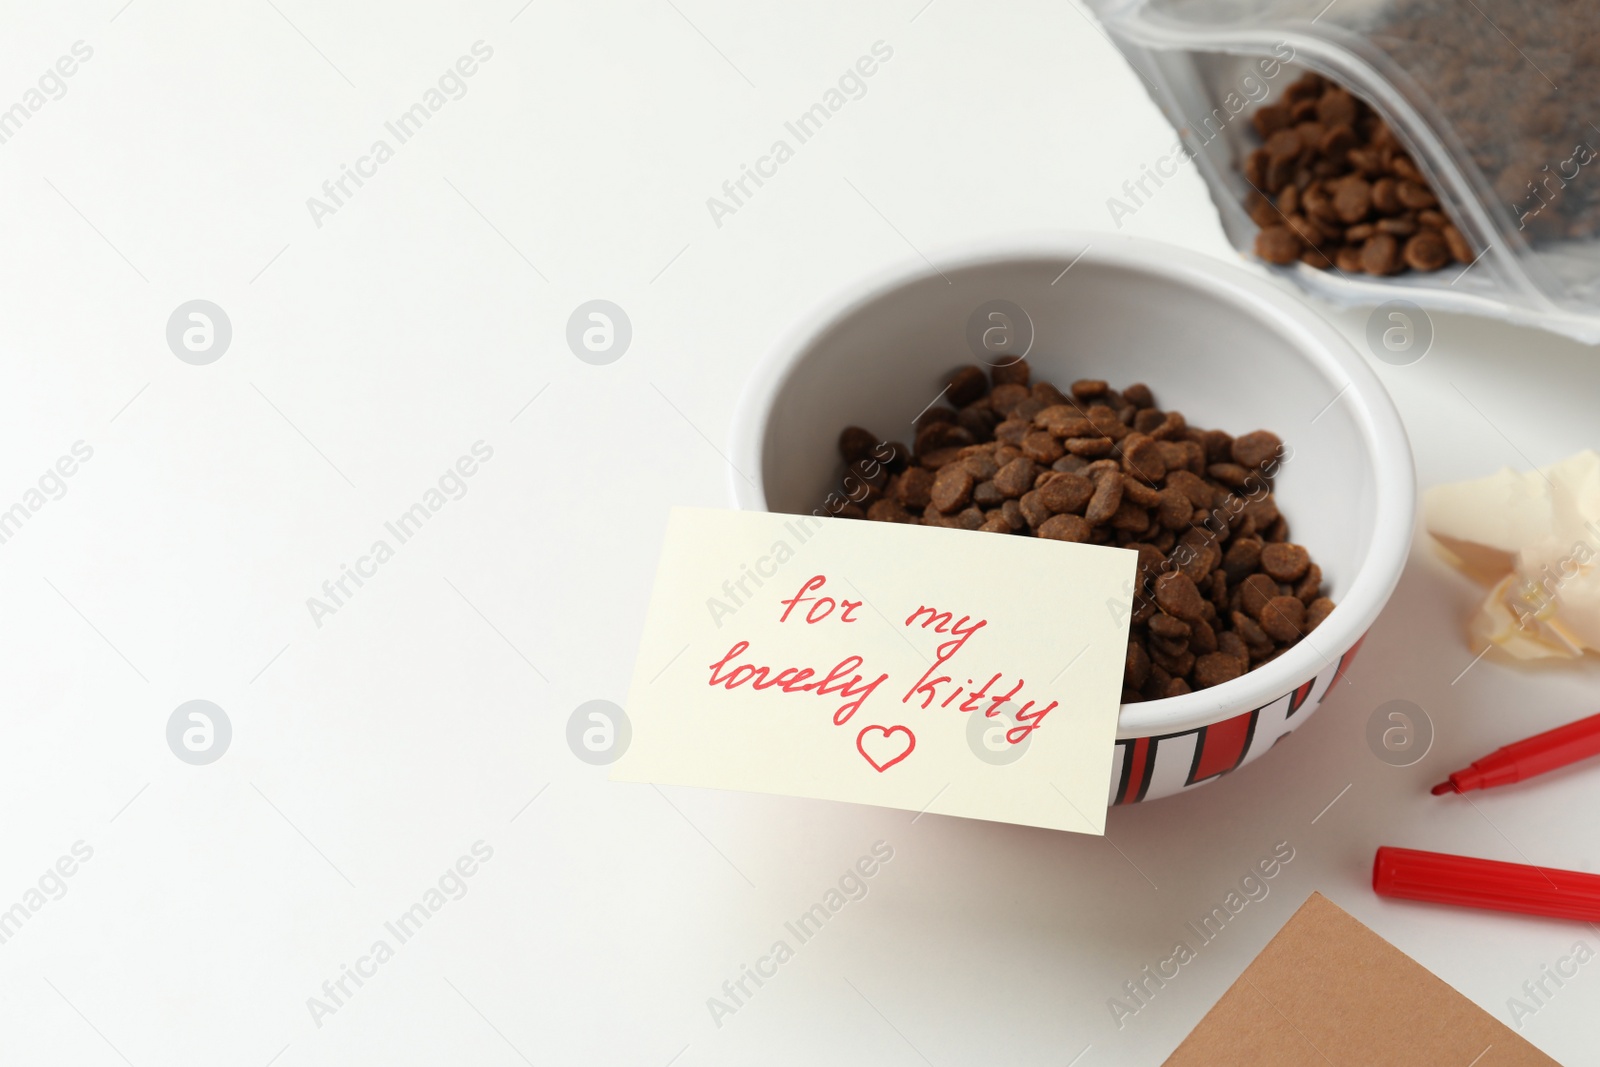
x=1497, y=102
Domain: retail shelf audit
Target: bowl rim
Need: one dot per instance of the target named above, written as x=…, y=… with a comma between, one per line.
x=1311, y=337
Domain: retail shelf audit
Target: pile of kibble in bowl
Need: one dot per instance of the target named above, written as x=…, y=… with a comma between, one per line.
x=1222, y=589
x=1333, y=188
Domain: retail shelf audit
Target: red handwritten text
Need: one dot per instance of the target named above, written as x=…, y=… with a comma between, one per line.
x=795, y=680
x=821, y=607
x=927, y=687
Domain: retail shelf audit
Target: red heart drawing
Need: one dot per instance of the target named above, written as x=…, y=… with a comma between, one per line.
x=886, y=745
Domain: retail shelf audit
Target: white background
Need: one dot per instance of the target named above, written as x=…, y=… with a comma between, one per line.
x=425, y=315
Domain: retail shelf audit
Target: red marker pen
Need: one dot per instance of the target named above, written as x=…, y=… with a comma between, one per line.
x=1524, y=759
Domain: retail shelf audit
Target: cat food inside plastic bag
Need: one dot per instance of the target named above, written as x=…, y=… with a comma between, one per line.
x=1490, y=103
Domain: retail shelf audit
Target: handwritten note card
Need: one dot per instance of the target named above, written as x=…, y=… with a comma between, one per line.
x=949, y=671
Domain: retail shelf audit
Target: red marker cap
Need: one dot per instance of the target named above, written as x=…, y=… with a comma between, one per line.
x=1476, y=883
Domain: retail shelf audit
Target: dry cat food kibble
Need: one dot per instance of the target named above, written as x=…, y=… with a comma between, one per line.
x=1332, y=187
x=1222, y=589
x=1534, y=139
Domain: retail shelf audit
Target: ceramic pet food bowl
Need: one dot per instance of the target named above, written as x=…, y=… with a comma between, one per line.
x=1224, y=347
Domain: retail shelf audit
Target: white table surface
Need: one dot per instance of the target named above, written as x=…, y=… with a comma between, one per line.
x=371, y=752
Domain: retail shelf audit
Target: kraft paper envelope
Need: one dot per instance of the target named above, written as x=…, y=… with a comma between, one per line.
x=912, y=667
x=1328, y=990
